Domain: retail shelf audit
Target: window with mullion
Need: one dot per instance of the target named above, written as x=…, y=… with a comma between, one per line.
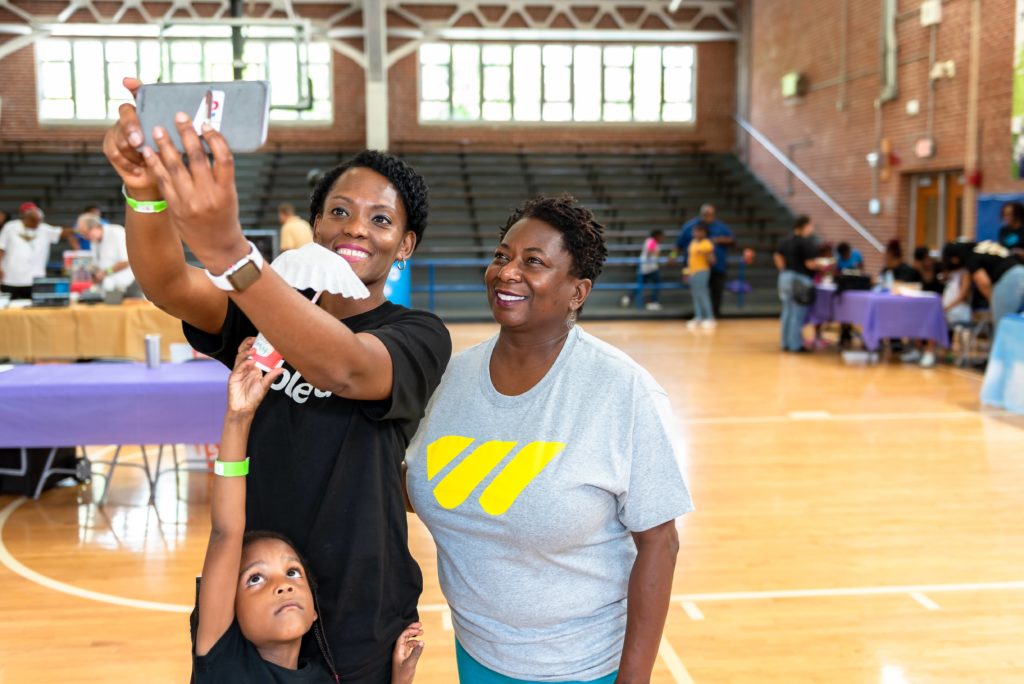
x=556, y=83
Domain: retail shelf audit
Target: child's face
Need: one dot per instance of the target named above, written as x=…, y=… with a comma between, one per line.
x=699, y=233
x=274, y=602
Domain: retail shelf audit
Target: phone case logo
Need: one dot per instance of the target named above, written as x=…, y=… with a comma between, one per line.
x=211, y=111
x=455, y=487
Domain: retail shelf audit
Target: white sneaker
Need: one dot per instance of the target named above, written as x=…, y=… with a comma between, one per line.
x=653, y=306
x=708, y=324
x=692, y=324
x=912, y=356
x=928, y=360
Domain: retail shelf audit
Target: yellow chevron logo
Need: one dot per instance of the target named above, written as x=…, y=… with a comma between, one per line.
x=455, y=487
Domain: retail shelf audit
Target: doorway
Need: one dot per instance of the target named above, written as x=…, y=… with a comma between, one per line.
x=937, y=204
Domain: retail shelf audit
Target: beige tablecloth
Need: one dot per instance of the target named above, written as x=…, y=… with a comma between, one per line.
x=86, y=332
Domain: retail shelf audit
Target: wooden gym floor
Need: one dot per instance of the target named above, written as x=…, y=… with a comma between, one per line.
x=854, y=524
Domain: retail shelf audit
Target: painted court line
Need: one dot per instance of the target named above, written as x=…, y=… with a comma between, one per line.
x=692, y=610
x=446, y=620
x=851, y=591
x=924, y=601
x=673, y=663
x=851, y=417
x=810, y=415
x=15, y=566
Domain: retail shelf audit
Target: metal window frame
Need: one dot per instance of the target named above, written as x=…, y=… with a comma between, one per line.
x=571, y=99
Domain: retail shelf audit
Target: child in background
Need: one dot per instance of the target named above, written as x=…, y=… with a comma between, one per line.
x=650, y=272
x=701, y=257
x=256, y=598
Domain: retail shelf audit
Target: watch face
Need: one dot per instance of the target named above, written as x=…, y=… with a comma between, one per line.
x=244, y=276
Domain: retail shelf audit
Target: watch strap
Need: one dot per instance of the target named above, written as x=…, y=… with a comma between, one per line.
x=223, y=281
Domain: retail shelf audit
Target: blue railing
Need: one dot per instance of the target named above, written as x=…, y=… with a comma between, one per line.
x=737, y=286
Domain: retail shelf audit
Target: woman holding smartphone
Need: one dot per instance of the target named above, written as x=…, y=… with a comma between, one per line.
x=328, y=441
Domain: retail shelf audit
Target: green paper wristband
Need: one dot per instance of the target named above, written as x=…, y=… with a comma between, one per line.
x=142, y=207
x=231, y=468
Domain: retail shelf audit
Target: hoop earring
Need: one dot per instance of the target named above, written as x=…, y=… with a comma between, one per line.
x=571, y=320
x=402, y=264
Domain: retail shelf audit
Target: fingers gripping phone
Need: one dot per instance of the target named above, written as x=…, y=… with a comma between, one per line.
x=238, y=109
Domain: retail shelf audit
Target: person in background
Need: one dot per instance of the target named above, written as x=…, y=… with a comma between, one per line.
x=929, y=270
x=109, y=246
x=827, y=270
x=295, y=231
x=650, y=269
x=998, y=275
x=895, y=269
x=1011, y=233
x=81, y=231
x=5, y=216
x=956, y=293
x=24, y=249
x=795, y=259
x=848, y=259
x=700, y=259
x=722, y=238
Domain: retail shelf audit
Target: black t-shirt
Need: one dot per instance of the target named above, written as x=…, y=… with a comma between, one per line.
x=796, y=250
x=235, y=659
x=326, y=472
x=905, y=273
x=995, y=265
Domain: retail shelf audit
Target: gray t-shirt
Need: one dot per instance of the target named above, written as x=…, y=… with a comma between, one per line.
x=531, y=500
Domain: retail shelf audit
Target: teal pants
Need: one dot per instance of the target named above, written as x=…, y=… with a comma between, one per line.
x=472, y=672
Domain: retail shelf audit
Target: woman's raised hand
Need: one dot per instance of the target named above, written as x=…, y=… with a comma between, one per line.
x=120, y=145
x=201, y=199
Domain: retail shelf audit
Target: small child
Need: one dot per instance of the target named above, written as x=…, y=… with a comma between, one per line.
x=700, y=259
x=256, y=598
x=650, y=272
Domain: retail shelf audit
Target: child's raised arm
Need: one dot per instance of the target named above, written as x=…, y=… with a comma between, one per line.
x=246, y=388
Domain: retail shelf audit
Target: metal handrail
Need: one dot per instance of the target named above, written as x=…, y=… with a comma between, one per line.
x=809, y=182
x=637, y=286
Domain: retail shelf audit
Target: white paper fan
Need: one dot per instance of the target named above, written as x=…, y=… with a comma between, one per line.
x=313, y=267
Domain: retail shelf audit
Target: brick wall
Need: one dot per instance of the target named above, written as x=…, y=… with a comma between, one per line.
x=831, y=134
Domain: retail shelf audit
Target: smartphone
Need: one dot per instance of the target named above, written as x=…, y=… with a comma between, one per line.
x=238, y=109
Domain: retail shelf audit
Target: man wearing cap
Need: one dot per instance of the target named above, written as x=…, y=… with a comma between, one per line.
x=24, y=249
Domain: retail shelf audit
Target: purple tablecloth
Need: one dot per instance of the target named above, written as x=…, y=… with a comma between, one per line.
x=115, y=403
x=881, y=316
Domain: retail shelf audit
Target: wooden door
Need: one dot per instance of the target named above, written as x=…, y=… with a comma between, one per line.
x=938, y=208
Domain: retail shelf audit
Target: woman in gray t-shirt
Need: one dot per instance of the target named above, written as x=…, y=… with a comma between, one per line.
x=545, y=471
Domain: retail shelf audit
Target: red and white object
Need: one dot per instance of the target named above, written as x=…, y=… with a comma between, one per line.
x=266, y=357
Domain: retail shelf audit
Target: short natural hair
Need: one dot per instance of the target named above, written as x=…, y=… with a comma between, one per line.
x=801, y=222
x=582, y=235
x=286, y=208
x=410, y=185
